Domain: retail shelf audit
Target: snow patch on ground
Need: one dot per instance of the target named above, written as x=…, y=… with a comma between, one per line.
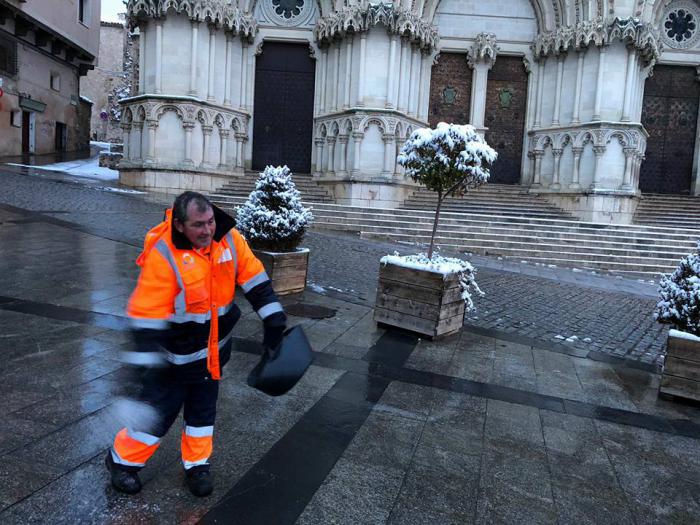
x=88, y=168
x=316, y=288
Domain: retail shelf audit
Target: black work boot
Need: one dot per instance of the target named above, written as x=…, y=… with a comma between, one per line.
x=199, y=480
x=123, y=480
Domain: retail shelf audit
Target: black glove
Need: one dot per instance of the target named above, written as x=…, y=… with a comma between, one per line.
x=273, y=336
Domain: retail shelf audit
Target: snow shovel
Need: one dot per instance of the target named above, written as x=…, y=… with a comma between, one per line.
x=279, y=369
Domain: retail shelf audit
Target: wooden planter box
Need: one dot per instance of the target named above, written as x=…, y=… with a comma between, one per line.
x=422, y=301
x=287, y=271
x=681, y=374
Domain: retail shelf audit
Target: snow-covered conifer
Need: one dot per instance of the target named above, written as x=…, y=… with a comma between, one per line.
x=273, y=217
x=448, y=160
x=680, y=296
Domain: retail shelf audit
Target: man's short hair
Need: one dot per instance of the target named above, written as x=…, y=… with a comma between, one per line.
x=183, y=201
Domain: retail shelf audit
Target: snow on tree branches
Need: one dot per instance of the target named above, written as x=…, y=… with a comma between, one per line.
x=448, y=160
x=273, y=218
x=680, y=296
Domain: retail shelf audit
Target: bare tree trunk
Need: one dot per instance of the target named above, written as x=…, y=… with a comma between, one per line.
x=435, y=224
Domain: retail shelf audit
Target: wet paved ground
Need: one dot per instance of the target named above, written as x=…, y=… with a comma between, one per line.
x=503, y=423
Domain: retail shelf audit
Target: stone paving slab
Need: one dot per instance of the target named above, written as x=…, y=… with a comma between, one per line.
x=477, y=428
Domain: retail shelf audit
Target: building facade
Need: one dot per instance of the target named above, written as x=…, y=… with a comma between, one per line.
x=587, y=102
x=43, y=53
x=115, y=74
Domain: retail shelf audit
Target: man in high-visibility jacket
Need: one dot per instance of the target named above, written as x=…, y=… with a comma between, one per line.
x=183, y=315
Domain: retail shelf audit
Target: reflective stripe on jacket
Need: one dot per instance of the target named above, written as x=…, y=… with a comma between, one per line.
x=183, y=301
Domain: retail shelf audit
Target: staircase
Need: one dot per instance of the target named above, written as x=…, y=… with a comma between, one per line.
x=238, y=189
x=513, y=225
x=505, y=200
x=673, y=211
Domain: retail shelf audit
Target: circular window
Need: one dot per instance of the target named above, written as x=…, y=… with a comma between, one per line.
x=680, y=25
x=288, y=8
x=288, y=12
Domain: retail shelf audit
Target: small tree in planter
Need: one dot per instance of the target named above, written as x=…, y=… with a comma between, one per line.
x=679, y=306
x=274, y=221
x=427, y=293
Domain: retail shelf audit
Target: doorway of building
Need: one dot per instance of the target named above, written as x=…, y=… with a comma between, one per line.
x=60, y=140
x=450, y=90
x=25, y=131
x=670, y=115
x=283, y=107
x=506, y=104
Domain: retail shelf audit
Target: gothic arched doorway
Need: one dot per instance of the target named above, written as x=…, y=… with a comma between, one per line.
x=283, y=107
x=670, y=115
x=506, y=104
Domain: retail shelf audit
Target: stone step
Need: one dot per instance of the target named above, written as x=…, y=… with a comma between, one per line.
x=511, y=210
x=507, y=233
x=538, y=244
x=630, y=264
x=521, y=223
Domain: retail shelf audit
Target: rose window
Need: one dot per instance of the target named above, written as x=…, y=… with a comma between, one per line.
x=288, y=8
x=680, y=25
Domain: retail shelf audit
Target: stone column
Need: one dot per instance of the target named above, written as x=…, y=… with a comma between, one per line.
x=391, y=73
x=478, y=102
x=194, y=57
x=343, y=141
x=599, y=152
x=557, y=89
x=361, y=74
x=138, y=128
x=424, y=87
x=142, y=58
x=223, y=137
x=629, y=84
x=188, y=127
x=348, y=71
x=415, y=79
x=538, y=167
x=576, y=117
x=126, y=131
x=244, y=70
x=599, y=84
x=319, y=155
x=555, y=178
x=540, y=92
x=212, y=64
x=240, y=139
x=389, y=150
x=577, y=167
x=227, y=80
x=336, y=74
x=159, y=58
x=206, y=159
x=404, y=75
x=152, y=127
x=357, y=138
x=629, y=165
x=330, y=167
x=324, y=80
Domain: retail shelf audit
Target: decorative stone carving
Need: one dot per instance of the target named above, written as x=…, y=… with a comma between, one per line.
x=484, y=50
x=643, y=37
x=219, y=12
x=357, y=19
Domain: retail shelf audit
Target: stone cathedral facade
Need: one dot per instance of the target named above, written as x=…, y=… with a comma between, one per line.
x=589, y=102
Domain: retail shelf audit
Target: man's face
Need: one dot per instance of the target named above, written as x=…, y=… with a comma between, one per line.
x=199, y=227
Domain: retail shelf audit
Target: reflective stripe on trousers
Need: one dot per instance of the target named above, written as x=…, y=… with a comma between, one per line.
x=133, y=449
x=196, y=444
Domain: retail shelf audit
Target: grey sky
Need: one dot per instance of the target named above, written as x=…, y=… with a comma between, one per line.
x=110, y=9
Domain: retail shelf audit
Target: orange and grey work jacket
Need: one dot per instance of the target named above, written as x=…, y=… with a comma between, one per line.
x=182, y=310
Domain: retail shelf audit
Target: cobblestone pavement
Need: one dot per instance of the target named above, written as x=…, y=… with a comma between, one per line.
x=575, y=312
x=384, y=427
